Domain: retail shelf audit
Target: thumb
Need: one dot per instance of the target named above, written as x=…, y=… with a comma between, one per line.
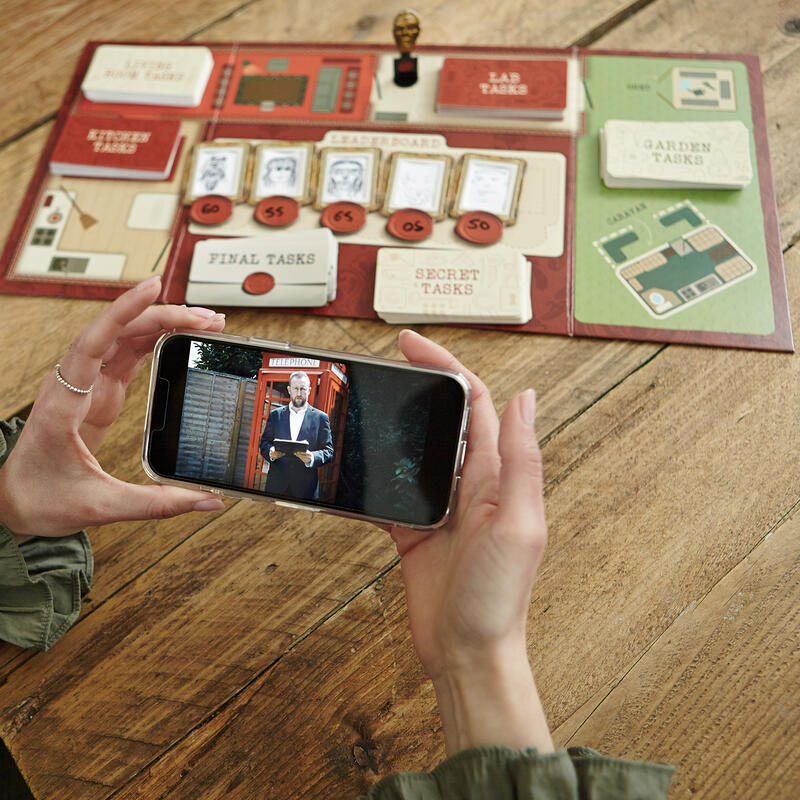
x=521, y=506
x=131, y=501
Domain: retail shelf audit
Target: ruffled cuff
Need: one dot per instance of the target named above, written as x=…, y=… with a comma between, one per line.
x=500, y=773
x=42, y=581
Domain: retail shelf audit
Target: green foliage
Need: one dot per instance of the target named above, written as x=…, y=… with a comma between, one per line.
x=228, y=358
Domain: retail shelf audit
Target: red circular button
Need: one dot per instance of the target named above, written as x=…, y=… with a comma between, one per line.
x=410, y=224
x=479, y=227
x=344, y=217
x=211, y=209
x=277, y=211
x=258, y=283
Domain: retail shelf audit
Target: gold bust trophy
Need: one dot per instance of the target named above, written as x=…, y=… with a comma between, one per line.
x=406, y=30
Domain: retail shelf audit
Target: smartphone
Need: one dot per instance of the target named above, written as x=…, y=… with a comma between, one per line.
x=358, y=436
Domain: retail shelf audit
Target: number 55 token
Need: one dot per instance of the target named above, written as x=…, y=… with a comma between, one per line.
x=276, y=211
x=344, y=217
x=479, y=227
x=410, y=224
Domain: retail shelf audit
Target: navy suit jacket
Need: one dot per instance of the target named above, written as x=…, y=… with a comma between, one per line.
x=289, y=475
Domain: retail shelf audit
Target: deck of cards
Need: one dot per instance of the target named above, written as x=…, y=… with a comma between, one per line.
x=439, y=286
x=281, y=269
x=675, y=155
x=165, y=75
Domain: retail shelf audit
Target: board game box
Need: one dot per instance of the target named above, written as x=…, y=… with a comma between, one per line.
x=158, y=147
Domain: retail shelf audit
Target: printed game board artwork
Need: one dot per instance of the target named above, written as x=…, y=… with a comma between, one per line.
x=626, y=195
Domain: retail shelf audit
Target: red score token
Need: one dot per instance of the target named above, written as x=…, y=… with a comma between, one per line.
x=479, y=227
x=277, y=211
x=344, y=217
x=410, y=224
x=258, y=283
x=211, y=209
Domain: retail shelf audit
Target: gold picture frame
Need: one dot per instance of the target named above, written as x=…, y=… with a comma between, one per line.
x=417, y=180
x=488, y=183
x=348, y=174
x=282, y=168
x=221, y=168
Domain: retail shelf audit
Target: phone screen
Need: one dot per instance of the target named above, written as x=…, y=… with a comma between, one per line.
x=376, y=440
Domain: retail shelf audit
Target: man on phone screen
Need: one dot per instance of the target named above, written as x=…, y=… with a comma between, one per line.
x=293, y=469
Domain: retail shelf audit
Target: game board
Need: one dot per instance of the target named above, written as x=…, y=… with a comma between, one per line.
x=667, y=264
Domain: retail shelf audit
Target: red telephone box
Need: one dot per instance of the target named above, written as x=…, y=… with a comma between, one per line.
x=329, y=392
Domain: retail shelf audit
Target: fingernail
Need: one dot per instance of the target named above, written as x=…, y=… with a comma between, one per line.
x=413, y=333
x=528, y=404
x=147, y=284
x=208, y=505
x=199, y=311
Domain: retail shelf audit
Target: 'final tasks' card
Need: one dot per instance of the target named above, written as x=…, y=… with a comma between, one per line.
x=534, y=88
x=116, y=147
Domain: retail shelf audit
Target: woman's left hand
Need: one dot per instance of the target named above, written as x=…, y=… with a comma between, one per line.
x=51, y=484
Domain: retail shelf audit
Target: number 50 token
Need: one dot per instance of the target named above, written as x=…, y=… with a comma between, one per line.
x=479, y=227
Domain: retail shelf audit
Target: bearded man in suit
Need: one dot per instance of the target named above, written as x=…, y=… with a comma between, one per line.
x=295, y=474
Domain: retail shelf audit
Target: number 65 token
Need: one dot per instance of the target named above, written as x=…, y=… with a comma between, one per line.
x=479, y=227
x=344, y=217
x=410, y=224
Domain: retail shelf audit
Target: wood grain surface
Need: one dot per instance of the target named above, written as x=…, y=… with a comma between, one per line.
x=262, y=652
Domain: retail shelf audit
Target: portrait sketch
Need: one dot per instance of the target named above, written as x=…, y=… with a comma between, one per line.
x=417, y=180
x=489, y=184
x=218, y=169
x=348, y=175
x=282, y=169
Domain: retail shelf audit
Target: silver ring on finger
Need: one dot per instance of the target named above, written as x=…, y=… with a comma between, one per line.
x=67, y=385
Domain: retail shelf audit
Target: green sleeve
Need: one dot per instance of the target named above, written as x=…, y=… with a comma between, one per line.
x=500, y=773
x=42, y=579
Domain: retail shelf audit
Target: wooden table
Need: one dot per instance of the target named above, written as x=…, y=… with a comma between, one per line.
x=264, y=653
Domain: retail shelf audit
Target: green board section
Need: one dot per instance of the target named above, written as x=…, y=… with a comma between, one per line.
x=615, y=226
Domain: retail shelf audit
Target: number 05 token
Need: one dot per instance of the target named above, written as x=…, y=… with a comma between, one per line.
x=410, y=224
x=344, y=217
x=479, y=227
x=211, y=209
x=276, y=211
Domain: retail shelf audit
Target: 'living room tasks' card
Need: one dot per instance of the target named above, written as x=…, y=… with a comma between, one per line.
x=168, y=75
x=697, y=155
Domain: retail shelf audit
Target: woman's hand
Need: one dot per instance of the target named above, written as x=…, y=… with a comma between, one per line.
x=51, y=484
x=468, y=584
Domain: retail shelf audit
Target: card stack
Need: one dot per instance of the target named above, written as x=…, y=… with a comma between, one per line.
x=174, y=75
x=675, y=155
x=279, y=270
x=114, y=147
x=480, y=87
x=439, y=286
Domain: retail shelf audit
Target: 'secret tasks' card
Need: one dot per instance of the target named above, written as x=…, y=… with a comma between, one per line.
x=429, y=286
